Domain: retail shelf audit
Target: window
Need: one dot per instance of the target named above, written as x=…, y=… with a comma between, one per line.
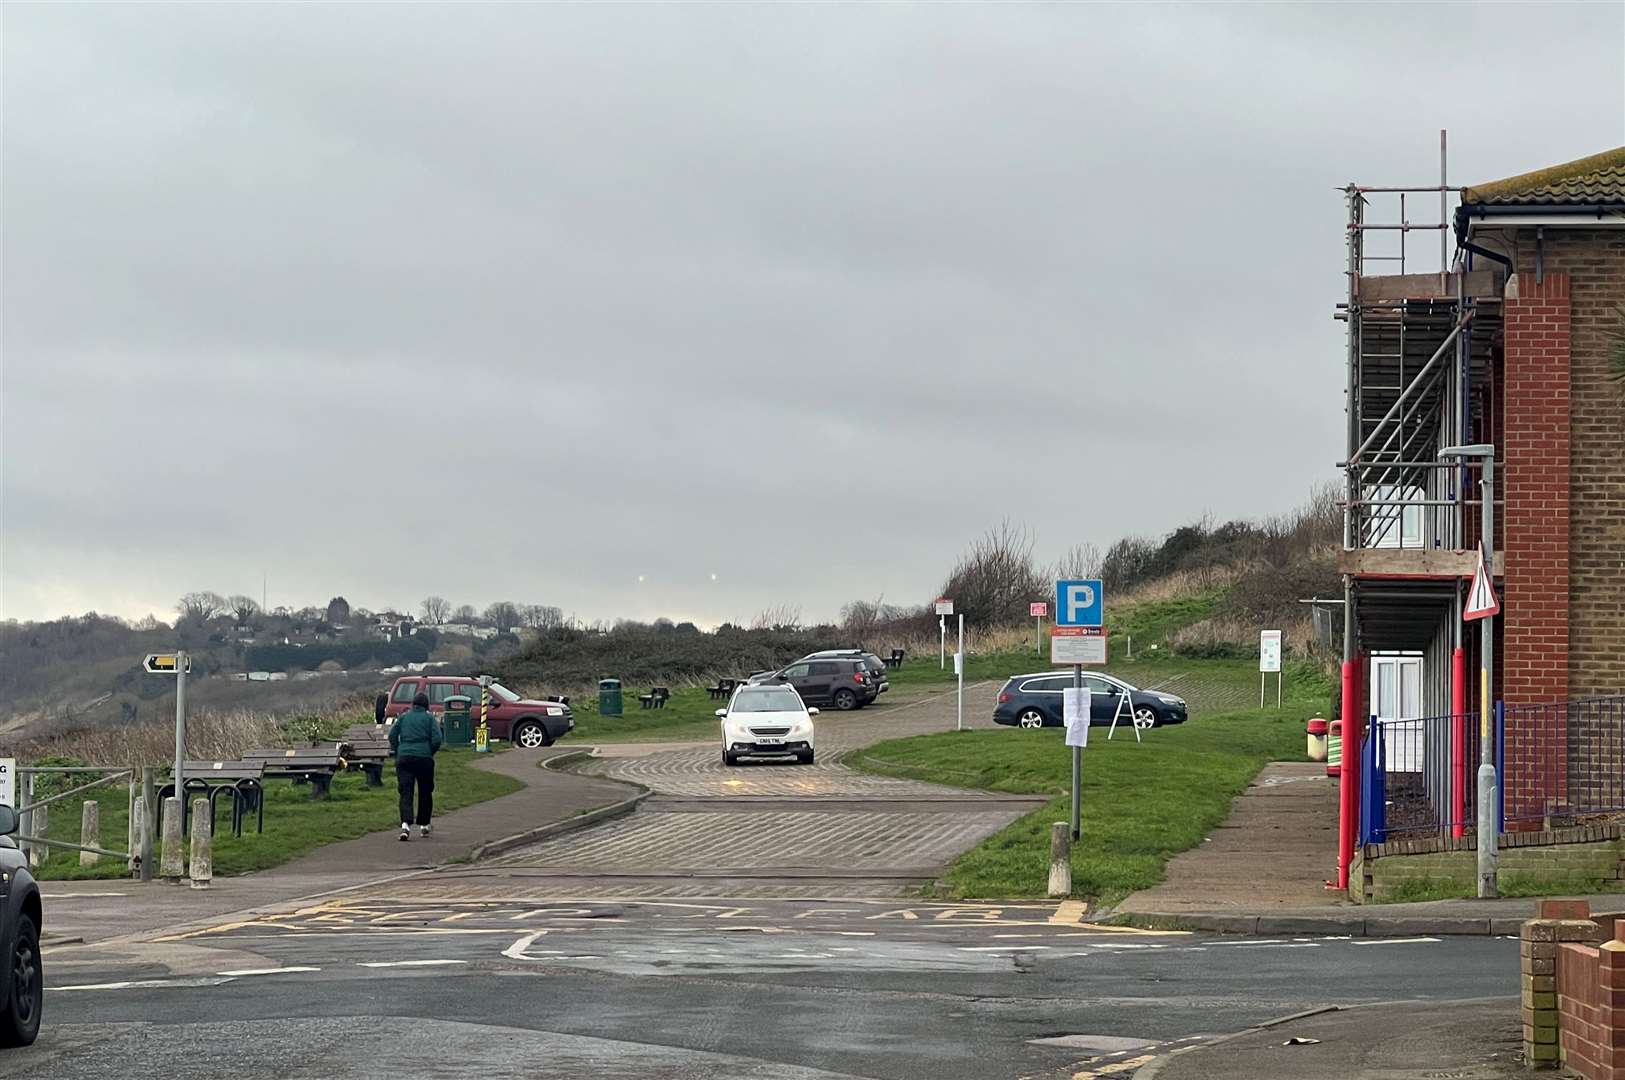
x=796, y=671
x=758, y=701
x=406, y=690
x=823, y=669
x=499, y=691
x=1097, y=685
x=1052, y=685
x=1395, y=525
x=470, y=691
x=439, y=692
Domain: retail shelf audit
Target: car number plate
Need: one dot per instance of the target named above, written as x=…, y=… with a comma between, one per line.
x=769, y=742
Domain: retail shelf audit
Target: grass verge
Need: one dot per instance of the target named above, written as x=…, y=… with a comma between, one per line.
x=1142, y=804
x=295, y=824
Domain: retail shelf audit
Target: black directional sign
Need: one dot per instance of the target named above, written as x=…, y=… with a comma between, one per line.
x=164, y=663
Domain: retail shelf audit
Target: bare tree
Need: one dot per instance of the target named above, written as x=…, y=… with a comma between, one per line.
x=338, y=611
x=244, y=607
x=465, y=614
x=779, y=617
x=1079, y=561
x=435, y=609
x=996, y=579
x=504, y=615
x=541, y=617
x=200, y=607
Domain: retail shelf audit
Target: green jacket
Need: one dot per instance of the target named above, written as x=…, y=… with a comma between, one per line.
x=416, y=734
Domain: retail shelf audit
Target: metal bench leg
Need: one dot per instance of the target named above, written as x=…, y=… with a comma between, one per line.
x=319, y=786
x=375, y=775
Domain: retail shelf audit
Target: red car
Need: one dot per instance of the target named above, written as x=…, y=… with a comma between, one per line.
x=526, y=723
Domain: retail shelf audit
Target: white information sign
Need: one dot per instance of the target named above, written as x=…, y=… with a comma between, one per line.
x=1075, y=706
x=945, y=606
x=1077, y=645
x=1269, y=650
x=8, y=781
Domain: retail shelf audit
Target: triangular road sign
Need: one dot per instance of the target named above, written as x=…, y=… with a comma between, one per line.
x=1481, y=598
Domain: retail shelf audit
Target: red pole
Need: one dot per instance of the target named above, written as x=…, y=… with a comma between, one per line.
x=1458, y=742
x=1348, y=806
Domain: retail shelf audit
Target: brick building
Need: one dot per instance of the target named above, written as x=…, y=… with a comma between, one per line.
x=1513, y=342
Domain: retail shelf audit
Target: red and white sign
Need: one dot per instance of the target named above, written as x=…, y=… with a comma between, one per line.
x=1077, y=645
x=1482, y=600
x=1038, y=610
x=945, y=606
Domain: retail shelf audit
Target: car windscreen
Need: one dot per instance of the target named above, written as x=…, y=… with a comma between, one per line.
x=498, y=690
x=767, y=701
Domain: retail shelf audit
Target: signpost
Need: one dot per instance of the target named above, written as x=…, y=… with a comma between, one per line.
x=945, y=608
x=1077, y=645
x=1078, y=607
x=482, y=735
x=1269, y=659
x=1038, y=610
x=177, y=664
x=8, y=781
x=959, y=673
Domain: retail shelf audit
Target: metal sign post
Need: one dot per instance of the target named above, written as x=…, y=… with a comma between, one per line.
x=1488, y=848
x=959, y=672
x=945, y=608
x=1038, y=611
x=1269, y=659
x=482, y=737
x=1076, y=636
x=176, y=664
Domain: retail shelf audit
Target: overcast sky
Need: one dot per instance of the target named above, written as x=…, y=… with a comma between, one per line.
x=689, y=310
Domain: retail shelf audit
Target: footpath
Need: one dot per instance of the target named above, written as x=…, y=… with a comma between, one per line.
x=552, y=799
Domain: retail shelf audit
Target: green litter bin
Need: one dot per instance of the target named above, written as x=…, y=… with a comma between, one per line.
x=459, y=722
x=609, y=697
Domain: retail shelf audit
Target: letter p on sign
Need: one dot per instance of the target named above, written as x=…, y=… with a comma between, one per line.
x=1078, y=603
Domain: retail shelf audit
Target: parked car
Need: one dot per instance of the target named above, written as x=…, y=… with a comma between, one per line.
x=1034, y=701
x=525, y=722
x=875, y=665
x=767, y=720
x=845, y=683
x=22, y=979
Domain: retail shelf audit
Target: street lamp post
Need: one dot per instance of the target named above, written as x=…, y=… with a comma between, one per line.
x=1487, y=852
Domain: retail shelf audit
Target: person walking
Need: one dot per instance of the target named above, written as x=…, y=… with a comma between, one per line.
x=416, y=738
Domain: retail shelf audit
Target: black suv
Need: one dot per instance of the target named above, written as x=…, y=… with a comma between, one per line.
x=843, y=682
x=22, y=980
x=1034, y=701
x=875, y=665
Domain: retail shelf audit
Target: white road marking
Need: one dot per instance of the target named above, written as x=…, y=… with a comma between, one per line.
x=77, y=896
x=516, y=951
x=1396, y=941
x=410, y=963
x=1001, y=948
x=143, y=984
x=1287, y=945
x=241, y=972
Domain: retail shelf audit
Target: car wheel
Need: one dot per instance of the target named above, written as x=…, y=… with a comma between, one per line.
x=805, y=757
x=730, y=759
x=846, y=700
x=1031, y=719
x=19, y=1020
x=531, y=736
x=1145, y=717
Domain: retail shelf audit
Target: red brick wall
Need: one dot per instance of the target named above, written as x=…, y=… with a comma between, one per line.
x=1536, y=430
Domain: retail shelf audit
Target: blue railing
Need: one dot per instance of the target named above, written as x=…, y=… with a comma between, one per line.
x=1561, y=762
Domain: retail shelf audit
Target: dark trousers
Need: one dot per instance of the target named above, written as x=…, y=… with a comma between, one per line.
x=418, y=772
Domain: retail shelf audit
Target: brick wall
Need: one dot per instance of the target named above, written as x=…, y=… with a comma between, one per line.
x=1573, y=994
x=1588, y=858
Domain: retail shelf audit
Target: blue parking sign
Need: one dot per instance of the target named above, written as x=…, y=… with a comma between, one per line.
x=1079, y=603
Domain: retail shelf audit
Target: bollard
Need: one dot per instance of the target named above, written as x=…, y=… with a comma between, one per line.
x=138, y=823
x=172, y=863
x=1060, y=859
x=90, y=828
x=39, y=826
x=202, y=844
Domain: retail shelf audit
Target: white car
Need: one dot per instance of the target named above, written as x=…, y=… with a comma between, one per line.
x=767, y=721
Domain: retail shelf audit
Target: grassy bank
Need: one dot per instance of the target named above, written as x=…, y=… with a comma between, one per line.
x=295, y=824
x=1142, y=803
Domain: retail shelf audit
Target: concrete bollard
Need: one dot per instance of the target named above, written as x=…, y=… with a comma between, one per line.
x=172, y=863
x=138, y=822
x=39, y=825
x=1060, y=859
x=202, y=845
x=90, y=830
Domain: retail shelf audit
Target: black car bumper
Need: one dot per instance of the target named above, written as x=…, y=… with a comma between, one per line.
x=784, y=749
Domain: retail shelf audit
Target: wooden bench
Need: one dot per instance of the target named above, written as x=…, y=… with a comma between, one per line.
x=895, y=660
x=655, y=698
x=315, y=765
x=243, y=781
x=366, y=747
x=722, y=690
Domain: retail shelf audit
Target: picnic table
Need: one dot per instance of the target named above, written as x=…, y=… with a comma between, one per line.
x=656, y=698
x=895, y=660
x=316, y=765
x=723, y=689
x=367, y=749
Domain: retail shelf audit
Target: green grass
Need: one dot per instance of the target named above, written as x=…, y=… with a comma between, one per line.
x=1142, y=803
x=295, y=824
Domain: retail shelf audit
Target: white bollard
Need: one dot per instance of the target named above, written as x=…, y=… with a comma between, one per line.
x=1060, y=859
x=138, y=815
x=172, y=863
x=90, y=829
x=202, y=845
x=39, y=825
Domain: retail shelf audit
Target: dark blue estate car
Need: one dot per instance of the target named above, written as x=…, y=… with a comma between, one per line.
x=22, y=981
x=1034, y=701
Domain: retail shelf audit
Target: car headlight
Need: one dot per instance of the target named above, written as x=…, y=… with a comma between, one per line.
x=555, y=712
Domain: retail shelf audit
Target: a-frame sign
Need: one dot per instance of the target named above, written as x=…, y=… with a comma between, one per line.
x=1482, y=600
